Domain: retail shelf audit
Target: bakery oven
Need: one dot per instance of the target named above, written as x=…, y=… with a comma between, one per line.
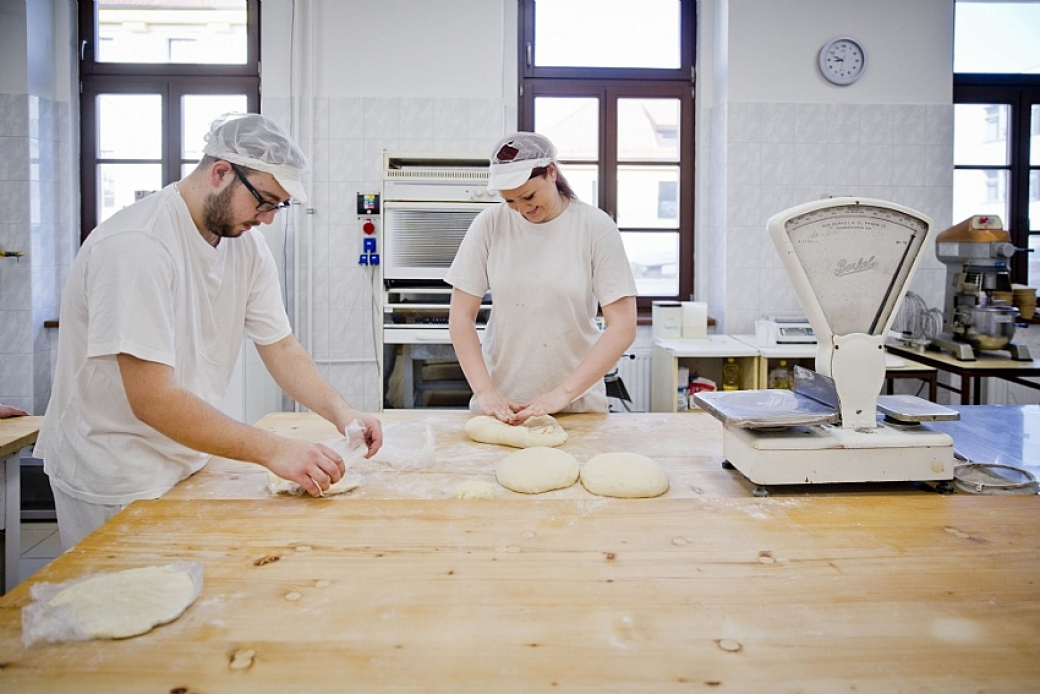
x=429, y=201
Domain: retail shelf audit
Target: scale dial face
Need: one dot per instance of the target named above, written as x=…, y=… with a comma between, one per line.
x=857, y=259
x=842, y=60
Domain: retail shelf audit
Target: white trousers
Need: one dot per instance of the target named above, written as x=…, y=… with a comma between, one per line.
x=77, y=518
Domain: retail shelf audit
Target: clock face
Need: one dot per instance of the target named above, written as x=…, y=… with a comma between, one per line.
x=842, y=61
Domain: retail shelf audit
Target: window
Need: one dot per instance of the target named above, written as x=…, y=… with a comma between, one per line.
x=996, y=96
x=610, y=82
x=154, y=76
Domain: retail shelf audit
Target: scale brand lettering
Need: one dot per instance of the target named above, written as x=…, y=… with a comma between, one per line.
x=844, y=267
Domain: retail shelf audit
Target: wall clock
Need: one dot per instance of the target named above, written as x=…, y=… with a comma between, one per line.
x=842, y=60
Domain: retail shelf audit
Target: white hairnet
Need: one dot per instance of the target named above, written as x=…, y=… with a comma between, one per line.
x=256, y=141
x=515, y=157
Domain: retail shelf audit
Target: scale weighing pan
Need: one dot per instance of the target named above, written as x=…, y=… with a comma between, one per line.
x=765, y=409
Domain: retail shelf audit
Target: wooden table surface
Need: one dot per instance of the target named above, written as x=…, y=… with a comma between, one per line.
x=699, y=590
x=18, y=432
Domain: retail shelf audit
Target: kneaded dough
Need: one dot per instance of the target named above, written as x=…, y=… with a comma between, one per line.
x=626, y=475
x=536, y=431
x=474, y=489
x=127, y=603
x=537, y=469
x=279, y=485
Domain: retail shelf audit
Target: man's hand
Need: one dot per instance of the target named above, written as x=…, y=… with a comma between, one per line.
x=311, y=465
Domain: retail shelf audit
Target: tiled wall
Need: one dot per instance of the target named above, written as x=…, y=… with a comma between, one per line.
x=767, y=157
x=339, y=311
x=38, y=204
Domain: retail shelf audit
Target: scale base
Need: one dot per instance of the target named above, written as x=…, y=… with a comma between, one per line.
x=827, y=454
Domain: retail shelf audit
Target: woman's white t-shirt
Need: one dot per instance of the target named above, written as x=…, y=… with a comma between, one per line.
x=546, y=282
x=146, y=283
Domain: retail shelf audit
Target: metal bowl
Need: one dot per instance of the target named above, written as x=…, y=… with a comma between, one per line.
x=987, y=327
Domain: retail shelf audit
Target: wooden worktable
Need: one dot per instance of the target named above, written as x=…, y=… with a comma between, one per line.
x=687, y=444
x=705, y=588
x=15, y=434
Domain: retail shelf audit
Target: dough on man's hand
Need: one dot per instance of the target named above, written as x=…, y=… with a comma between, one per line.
x=279, y=485
x=625, y=475
x=537, y=469
x=536, y=431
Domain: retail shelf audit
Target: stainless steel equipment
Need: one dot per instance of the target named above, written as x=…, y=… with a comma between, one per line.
x=976, y=253
x=850, y=260
x=429, y=201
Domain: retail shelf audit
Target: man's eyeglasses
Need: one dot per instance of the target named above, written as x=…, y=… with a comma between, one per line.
x=265, y=205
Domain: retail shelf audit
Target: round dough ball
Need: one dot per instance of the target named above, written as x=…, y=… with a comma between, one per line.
x=625, y=475
x=538, y=469
x=474, y=489
x=536, y=431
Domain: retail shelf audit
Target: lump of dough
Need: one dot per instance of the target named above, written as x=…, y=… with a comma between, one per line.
x=474, y=489
x=279, y=485
x=626, y=475
x=536, y=431
x=127, y=603
x=538, y=469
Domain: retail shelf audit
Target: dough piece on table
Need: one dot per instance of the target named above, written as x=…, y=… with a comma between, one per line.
x=127, y=603
x=278, y=485
x=474, y=489
x=626, y=475
x=536, y=431
x=538, y=469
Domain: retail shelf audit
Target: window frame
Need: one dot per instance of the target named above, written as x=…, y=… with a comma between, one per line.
x=169, y=80
x=1020, y=92
x=609, y=85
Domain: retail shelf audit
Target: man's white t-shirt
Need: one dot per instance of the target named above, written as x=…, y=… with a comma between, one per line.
x=146, y=283
x=546, y=282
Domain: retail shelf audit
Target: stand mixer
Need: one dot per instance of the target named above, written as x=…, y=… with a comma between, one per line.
x=850, y=260
x=975, y=253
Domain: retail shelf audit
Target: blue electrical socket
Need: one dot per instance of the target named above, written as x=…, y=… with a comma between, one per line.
x=373, y=259
x=369, y=244
x=362, y=259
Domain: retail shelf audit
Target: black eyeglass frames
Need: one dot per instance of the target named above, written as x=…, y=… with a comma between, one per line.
x=265, y=205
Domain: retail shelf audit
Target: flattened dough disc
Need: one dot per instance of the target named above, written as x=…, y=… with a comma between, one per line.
x=625, y=475
x=127, y=603
x=538, y=469
x=536, y=431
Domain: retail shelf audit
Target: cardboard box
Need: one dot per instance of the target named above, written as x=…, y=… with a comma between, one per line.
x=666, y=318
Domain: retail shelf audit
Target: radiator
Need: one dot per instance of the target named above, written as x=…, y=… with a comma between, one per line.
x=634, y=370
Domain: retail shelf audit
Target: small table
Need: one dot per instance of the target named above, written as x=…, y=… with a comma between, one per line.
x=971, y=373
x=15, y=434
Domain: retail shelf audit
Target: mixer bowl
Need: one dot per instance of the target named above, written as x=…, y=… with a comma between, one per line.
x=987, y=327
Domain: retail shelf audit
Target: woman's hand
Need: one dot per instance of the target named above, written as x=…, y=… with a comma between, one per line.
x=550, y=403
x=494, y=405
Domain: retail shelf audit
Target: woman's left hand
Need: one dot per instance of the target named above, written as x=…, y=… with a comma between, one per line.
x=550, y=403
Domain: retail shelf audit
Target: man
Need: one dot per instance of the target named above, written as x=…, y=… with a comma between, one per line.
x=152, y=318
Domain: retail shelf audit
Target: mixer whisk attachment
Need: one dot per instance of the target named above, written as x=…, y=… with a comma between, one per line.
x=916, y=323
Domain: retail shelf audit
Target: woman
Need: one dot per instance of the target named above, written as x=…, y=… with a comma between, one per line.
x=548, y=260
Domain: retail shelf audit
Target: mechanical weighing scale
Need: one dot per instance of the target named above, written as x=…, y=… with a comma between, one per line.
x=851, y=260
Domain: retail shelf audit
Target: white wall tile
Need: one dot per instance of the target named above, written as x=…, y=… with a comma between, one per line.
x=843, y=124
x=875, y=124
x=346, y=118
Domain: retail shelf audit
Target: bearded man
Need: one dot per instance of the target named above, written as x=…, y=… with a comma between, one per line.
x=153, y=314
